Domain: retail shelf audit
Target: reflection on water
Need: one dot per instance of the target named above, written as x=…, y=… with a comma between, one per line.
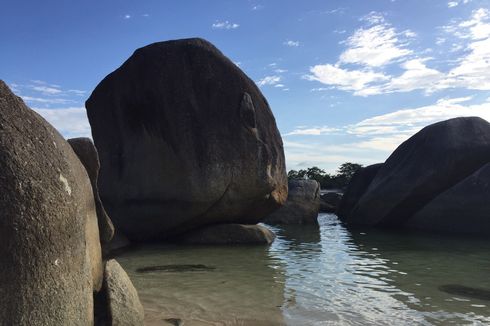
x=316, y=276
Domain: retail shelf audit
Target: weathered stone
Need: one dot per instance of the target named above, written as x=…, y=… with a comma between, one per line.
x=463, y=208
x=87, y=153
x=124, y=306
x=49, y=241
x=229, y=234
x=425, y=166
x=356, y=188
x=185, y=139
x=302, y=205
x=330, y=201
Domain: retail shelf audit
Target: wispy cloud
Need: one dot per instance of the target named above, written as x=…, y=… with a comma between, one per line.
x=70, y=122
x=269, y=80
x=127, y=16
x=291, y=43
x=380, y=45
x=373, y=139
x=224, y=25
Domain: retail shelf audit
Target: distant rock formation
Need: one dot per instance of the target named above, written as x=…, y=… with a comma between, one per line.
x=185, y=139
x=86, y=152
x=330, y=201
x=356, y=188
x=229, y=234
x=49, y=237
x=302, y=205
x=437, y=180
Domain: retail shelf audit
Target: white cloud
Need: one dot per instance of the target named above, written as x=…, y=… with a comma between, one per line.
x=257, y=7
x=70, y=122
x=279, y=85
x=373, y=18
x=280, y=71
x=452, y=4
x=375, y=46
x=269, y=80
x=378, y=46
x=46, y=100
x=291, y=43
x=374, y=139
x=46, y=90
x=127, y=16
x=316, y=131
x=224, y=25
x=349, y=80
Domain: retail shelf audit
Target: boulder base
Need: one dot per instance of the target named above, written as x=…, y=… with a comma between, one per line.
x=230, y=234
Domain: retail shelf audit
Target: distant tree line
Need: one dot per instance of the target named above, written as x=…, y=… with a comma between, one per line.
x=327, y=180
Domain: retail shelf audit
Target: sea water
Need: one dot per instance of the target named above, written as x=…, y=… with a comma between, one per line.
x=310, y=275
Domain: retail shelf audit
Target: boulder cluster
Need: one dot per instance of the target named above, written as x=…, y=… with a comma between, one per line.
x=438, y=180
x=185, y=149
x=52, y=228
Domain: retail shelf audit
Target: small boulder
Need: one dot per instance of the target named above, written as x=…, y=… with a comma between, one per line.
x=356, y=188
x=123, y=304
x=330, y=201
x=302, y=205
x=87, y=153
x=223, y=234
x=185, y=139
x=49, y=239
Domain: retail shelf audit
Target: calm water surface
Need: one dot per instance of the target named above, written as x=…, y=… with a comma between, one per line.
x=317, y=276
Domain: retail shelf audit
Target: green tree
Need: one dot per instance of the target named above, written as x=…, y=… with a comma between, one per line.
x=315, y=173
x=347, y=170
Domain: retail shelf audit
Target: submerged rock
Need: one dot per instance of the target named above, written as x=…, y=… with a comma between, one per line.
x=185, y=140
x=49, y=239
x=229, y=234
x=302, y=205
x=176, y=268
x=123, y=304
x=466, y=291
x=87, y=153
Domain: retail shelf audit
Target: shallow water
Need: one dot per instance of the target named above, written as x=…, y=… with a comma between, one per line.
x=317, y=276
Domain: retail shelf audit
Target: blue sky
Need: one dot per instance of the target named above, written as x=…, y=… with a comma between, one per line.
x=346, y=80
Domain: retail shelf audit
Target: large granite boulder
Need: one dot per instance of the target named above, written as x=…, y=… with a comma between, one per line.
x=185, y=139
x=49, y=241
x=356, y=188
x=302, y=205
x=427, y=166
x=464, y=207
x=87, y=153
x=224, y=234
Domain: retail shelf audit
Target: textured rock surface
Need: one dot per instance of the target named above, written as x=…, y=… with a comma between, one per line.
x=425, y=173
x=87, y=153
x=462, y=208
x=302, y=205
x=330, y=201
x=124, y=306
x=185, y=139
x=229, y=234
x=356, y=188
x=49, y=241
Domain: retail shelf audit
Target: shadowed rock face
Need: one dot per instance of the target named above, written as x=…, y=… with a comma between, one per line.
x=185, y=139
x=86, y=152
x=356, y=188
x=229, y=234
x=49, y=240
x=432, y=171
x=302, y=205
